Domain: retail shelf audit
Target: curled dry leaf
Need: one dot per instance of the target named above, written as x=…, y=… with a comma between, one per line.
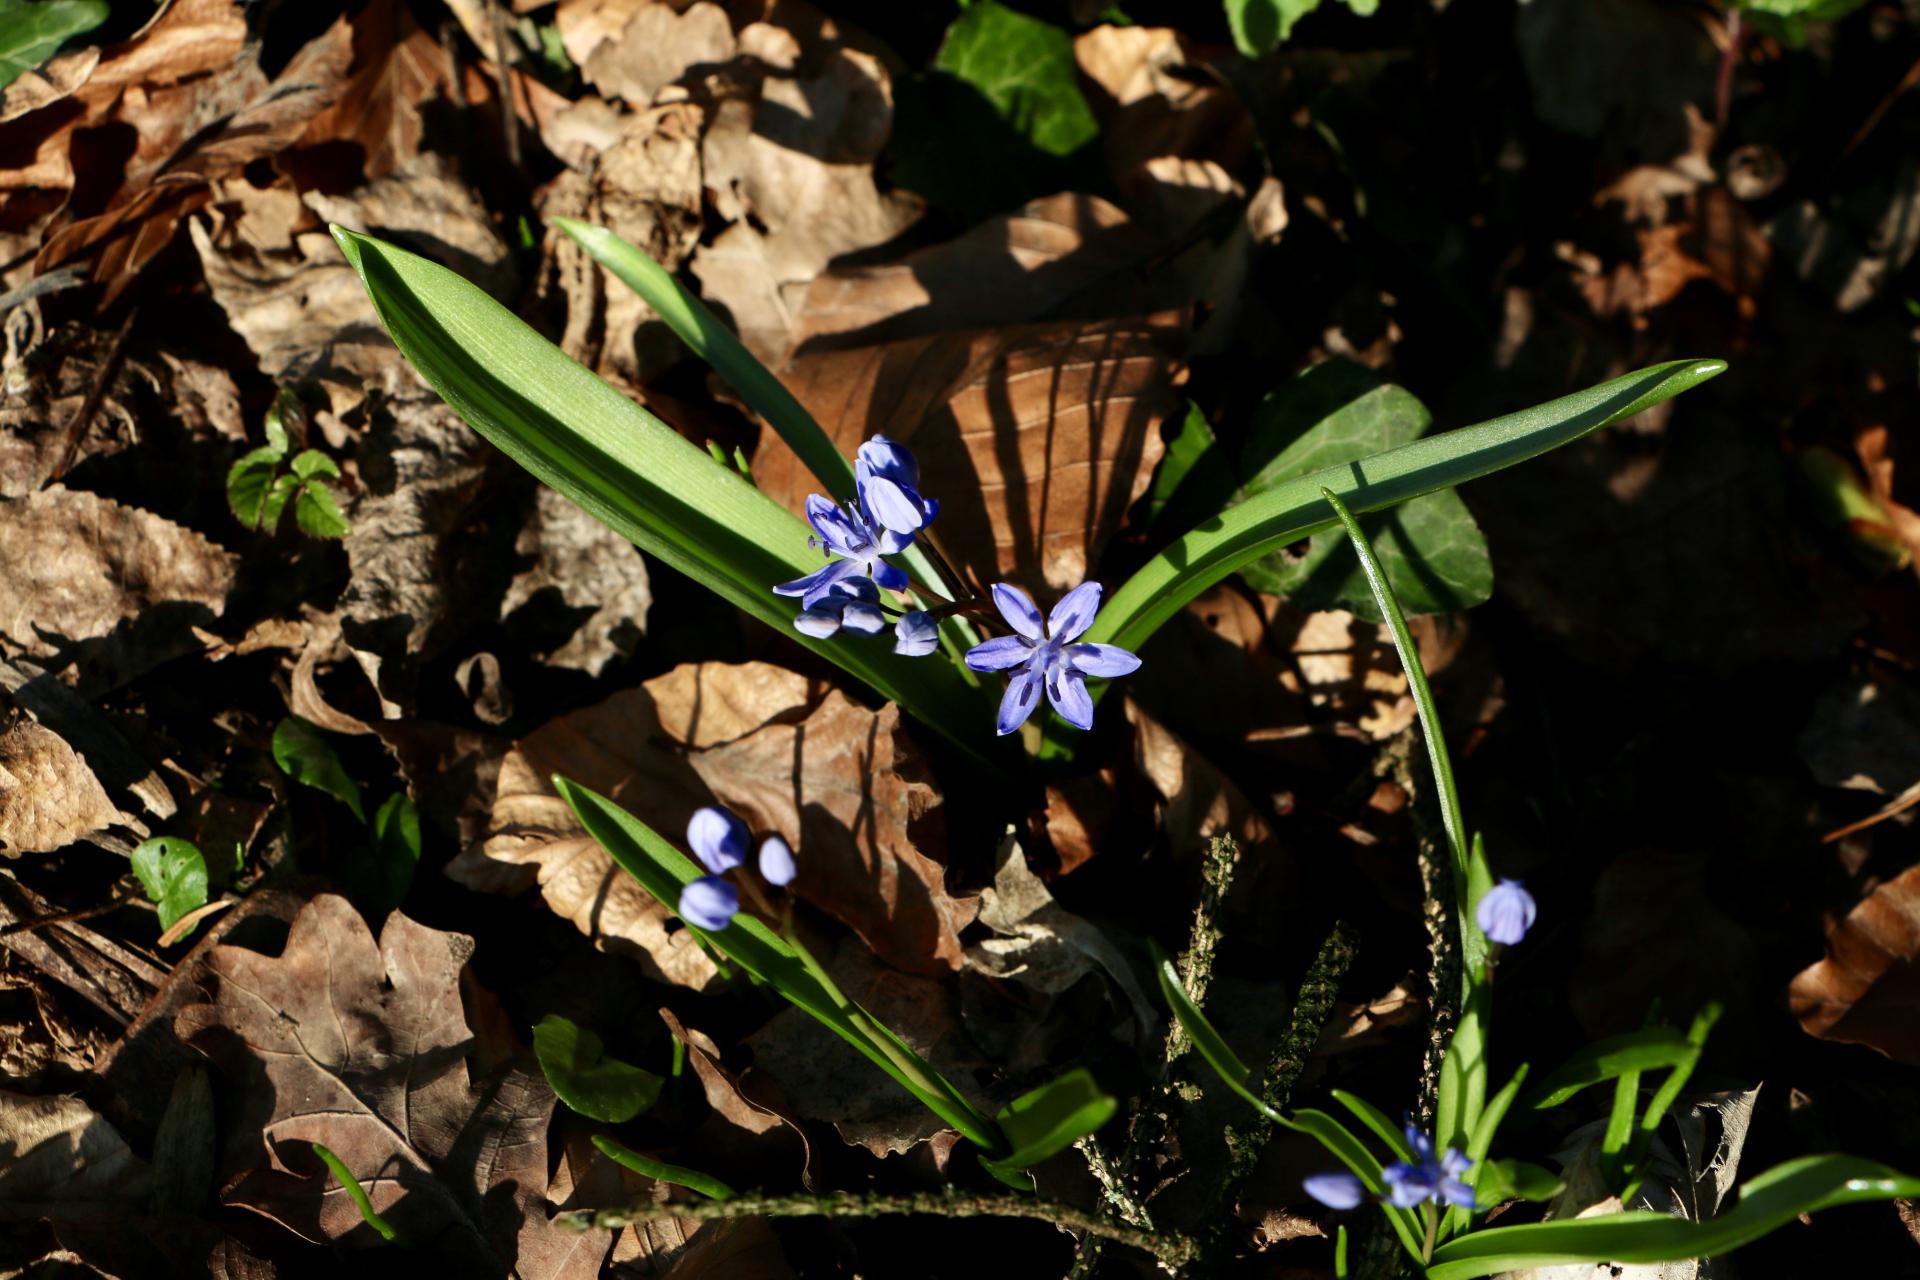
x=364, y=1049
x=843, y=785
x=585, y=595
x=397, y=67
x=109, y=591
x=1035, y=439
x=1867, y=990
x=655, y=47
x=737, y=1133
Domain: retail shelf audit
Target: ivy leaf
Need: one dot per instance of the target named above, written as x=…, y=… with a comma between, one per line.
x=1430, y=547
x=173, y=874
x=310, y=760
x=248, y=482
x=32, y=33
x=318, y=514
x=585, y=1078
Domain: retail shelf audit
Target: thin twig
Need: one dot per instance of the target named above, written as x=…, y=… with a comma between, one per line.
x=1443, y=977
x=96, y=395
x=1172, y=1249
x=503, y=71
x=66, y=917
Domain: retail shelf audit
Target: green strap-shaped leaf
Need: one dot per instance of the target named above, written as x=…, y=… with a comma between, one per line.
x=664, y=871
x=1770, y=1200
x=628, y=469
x=660, y=1171
x=1610, y=1059
x=1294, y=510
x=1048, y=1120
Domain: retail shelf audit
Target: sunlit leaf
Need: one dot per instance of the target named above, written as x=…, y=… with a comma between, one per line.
x=248, y=481
x=317, y=512
x=32, y=31
x=660, y=1171
x=310, y=760
x=1050, y=1119
x=173, y=873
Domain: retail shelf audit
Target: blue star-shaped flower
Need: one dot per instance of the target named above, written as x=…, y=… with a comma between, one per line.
x=1043, y=654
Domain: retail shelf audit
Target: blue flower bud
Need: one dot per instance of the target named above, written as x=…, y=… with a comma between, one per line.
x=1506, y=912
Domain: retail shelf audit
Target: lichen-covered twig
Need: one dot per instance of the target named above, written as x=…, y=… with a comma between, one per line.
x=1151, y=1117
x=1443, y=976
x=1170, y=1248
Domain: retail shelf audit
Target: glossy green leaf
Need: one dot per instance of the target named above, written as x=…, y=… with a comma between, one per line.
x=1025, y=68
x=628, y=469
x=1379, y=1122
x=279, y=493
x=173, y=874
x=1770, y=1200
x=1288, y=512
x=248, y=480
x=32, y=31
x=585, y=1078
x=660, y=1171
x=1610, y=1059
x=310, y=760
x=664, y=871
x=358, y=1193
x=1048, y=1120
x=309, y=463
x=1194, y=479
x=1430, y=548
x=318, y=514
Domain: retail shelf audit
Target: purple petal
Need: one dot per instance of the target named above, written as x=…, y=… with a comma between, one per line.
x=1335, y=1190
x=891, y=543
x=890, y=576
x=1075, y=612
x=717, y=838
x=776, y=861
x=1016, y=606
x=1104, y=660
x=1455, y=1163
x=1068, y=694
x=1456, y=1192
x=915, y=635
x=1422, y=1145
x=882, y=457
x=864, y=618
x=1407, y=1185
x=999, y=653
x=835, y=529
x=821, y=624
x=709, y=903
x=824, y=576
x=1506, y=912
x=891, y=504
x=1022, y=696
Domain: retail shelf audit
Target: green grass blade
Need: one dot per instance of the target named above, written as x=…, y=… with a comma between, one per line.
x=1380, y=1122
x=664, y=871
x=712, y=341
x=1770, y=1200
x=627, y=468
x=1350, y=1151
x=338, y=1168
x=1610, y=1059
x=1289, y=512
x=660, y=1171
x=1480, y=1144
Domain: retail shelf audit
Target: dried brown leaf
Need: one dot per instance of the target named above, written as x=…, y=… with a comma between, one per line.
x=364, y=1048
x=1867, y=990
x=583, y=600
x=48, y=796
x=107, y=588
x=656, y=46
x=64, y=1160
x=1036, y=439
x=396, y=68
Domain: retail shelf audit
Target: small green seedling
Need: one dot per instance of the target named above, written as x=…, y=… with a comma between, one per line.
x=258, y=491
x=339, y=1169
x=173, y=873
x=310, y=760
x=660, y=1171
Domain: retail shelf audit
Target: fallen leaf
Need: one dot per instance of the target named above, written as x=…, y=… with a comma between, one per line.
x=364, y=1048
x=655, y=47
x=582, y=602
x=62, y=1159
x=1198, y=801
x=49, y=378
x=843, y=785
x=742, y=1118
x=1044, y=947
x=104, y=590
x=48, y=797
x=1867, y=990
x=1035, y=439
x=397, y=67
x=790, y=168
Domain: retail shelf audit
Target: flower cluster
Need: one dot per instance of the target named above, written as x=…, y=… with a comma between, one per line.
x=1042, y=654
x=1506, y=912
x=719, y=840
x=886, y=513
x=1430, y=1177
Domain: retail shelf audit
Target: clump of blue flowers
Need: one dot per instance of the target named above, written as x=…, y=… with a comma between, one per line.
x=1043, y=654
x=720, y=841
x=887, y=513
x=1431, y=1176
